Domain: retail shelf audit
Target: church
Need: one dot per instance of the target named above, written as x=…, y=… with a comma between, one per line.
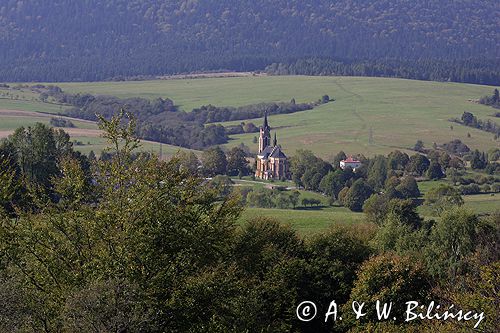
x=272, y=163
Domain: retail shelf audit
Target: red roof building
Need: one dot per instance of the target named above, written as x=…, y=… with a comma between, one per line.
x=351, y=163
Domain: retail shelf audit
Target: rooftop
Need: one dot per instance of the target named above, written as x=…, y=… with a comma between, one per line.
x=350, y=159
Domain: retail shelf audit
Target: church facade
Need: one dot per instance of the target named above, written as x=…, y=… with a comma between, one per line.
x=272, y=163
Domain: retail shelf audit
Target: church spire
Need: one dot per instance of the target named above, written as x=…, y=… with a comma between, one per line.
x=265, y=135
x=266, y=125
x=275, y=141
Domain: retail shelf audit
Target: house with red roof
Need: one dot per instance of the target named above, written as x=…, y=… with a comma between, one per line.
x=351, y=163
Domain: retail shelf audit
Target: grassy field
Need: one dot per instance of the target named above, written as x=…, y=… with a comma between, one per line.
x=306, y=222
x=483, y=203
x=479, y=203
x=369, y=115
x=98, y=144
x=29, y=105
x=425, y=186
x=22, y=107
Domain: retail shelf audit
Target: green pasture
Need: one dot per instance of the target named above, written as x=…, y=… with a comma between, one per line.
x=305, y=221
x=483, y=203
x=480, y=203
x=31, y=105
x=425, y=186
x=13, y=122
x=369, y=115
x=98, y=144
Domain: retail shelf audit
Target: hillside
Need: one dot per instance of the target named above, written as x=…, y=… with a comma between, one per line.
x=53, y=41
x=369, y=115
x=386, y=108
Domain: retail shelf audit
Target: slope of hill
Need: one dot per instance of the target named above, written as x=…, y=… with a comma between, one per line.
x=64, y=40
x=369, y=115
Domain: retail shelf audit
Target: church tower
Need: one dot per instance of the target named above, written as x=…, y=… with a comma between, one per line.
x=265, y=135
x=271, y=162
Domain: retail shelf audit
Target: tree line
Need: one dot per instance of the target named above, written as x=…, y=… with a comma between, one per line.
x=469, y=119
x=392, y=176
x=467, y=71
x=161, y=120
x=133, y=243
x=493, y=100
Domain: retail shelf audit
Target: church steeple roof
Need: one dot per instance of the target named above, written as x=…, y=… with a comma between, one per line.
x=266, y=124
x=275, y=141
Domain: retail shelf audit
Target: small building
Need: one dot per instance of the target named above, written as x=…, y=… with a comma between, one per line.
x=350, y=162
x=272, y=163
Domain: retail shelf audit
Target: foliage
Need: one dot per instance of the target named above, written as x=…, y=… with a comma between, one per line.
x=398, y=160
x=388, y=278
x=369, y=38
x=478, y=160
x=9, y=185
x=408, y=188
x=152, y=229
x=378, y=208
x=456, y=147
x=468, y=119
x=419, y=146
x=435, y=171
x=442, y=198
x=470, y=189
x=222, y=185
x=31, y=158
x=452, y=240
x=377, y=172
x=134, y=243
x=334, y=181
x=477, y=291
x=307, y=169
x=421, y=69
x=214, y=162
x=333, y=260
x=160, y=120
x=212, y=114
x=61, y=122
x=188, y=162
x=237, y=163
x=337, y=158
x=493, y=100
x=357, y=194
x=418, y=164
x=283, y=199
x=375, y=208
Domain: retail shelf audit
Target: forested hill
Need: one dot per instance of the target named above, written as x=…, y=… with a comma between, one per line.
x=62, y=40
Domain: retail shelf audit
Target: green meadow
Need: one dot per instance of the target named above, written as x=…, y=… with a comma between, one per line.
x=305, y=221
x=30, y=105
x=369, y=115
x=98, y=144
